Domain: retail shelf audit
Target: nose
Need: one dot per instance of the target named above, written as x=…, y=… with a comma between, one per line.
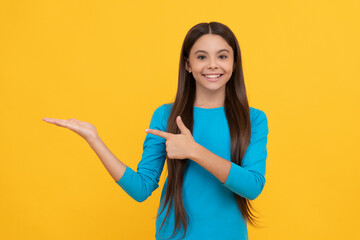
x=212, y=67
x=212, y=64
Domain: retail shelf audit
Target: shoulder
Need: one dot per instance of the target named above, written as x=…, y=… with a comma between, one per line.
x=163, y=110
x=259, y=121
x=161, y=116
x=257, y=115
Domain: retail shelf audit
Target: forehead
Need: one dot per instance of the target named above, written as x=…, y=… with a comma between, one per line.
x=210, y=43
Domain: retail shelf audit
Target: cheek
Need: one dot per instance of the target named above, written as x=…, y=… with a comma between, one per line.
x=227, y=66
x=198, y=68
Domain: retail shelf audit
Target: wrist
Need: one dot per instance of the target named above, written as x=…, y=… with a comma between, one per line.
x=93, y=140
x=194, y=151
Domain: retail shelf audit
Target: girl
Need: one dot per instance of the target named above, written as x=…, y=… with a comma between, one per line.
x=214, y=145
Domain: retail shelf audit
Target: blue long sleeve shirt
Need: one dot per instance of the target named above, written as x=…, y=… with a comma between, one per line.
x=211, y=205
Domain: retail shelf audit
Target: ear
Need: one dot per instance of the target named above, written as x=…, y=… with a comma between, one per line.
x=187, y=65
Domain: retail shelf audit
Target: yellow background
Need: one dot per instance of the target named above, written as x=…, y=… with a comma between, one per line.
x=112, y=63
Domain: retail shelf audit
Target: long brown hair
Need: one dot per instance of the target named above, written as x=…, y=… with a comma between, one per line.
x=237, y=113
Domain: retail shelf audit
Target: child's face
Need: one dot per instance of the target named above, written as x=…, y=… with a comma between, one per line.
x=208, y=57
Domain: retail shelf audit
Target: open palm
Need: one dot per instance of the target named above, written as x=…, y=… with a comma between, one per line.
x=84, y=129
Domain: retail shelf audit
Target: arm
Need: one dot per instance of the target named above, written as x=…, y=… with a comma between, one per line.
x=140, y=185
x=114, y=166
x=248, y=179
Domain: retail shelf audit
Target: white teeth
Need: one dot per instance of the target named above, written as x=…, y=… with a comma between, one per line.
x=212, y=76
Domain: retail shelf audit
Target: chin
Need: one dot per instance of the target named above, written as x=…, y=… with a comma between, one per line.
x=213, y=88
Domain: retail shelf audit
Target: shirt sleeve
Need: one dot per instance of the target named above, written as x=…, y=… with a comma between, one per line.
x=140, y=185
x=248, y=180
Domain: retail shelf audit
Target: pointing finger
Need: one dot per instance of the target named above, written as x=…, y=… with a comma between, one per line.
x=158, y=133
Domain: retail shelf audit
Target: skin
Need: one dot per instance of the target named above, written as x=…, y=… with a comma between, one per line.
x=182, y=146
x=208, y=95
x=205, y=58
x=178, y=146
x=113, y=165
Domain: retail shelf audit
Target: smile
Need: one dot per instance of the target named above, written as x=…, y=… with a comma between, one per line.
x=213, y=77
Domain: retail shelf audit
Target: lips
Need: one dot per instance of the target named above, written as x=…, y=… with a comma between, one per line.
x=212, y=79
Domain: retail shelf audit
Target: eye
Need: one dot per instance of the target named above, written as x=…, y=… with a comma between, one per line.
x=200, y=57
x=223, y=56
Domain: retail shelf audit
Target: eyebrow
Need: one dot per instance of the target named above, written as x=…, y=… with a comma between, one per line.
x=217, y=51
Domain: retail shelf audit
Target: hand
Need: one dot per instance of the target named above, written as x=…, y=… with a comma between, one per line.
x=84, y=129
x=178, y=146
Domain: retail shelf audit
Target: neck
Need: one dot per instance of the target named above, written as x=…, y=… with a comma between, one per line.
x=209, y=99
